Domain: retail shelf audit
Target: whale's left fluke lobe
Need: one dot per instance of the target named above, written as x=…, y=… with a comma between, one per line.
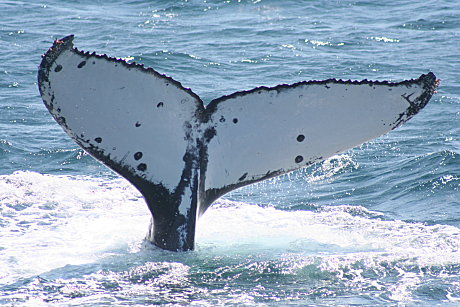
x=136, y=121
x=182, y=155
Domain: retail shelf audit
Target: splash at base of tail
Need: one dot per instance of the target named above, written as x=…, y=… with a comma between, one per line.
x=182, y=155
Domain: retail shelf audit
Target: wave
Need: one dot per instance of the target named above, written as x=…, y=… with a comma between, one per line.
x=51, y=221
x=79, y=240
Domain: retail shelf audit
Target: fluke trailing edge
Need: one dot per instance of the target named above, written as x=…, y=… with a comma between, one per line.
x=182, y=155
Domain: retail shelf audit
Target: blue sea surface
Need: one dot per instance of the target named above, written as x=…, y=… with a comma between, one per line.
x=378, y=225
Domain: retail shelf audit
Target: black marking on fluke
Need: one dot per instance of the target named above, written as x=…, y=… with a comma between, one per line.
x=142, y=167
x=173, y=226
x=138, y=155
x=298, y=159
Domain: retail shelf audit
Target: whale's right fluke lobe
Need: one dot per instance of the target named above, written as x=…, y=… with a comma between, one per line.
x=270, y=131
x=182, y=155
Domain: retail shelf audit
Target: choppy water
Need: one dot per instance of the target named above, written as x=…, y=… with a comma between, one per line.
x=378, y=225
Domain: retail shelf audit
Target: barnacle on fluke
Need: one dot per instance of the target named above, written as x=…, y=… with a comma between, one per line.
x=185, y=155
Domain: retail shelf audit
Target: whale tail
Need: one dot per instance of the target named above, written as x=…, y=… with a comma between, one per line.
x=182, y=155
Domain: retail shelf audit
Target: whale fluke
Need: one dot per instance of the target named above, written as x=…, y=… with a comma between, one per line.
x=182, y=155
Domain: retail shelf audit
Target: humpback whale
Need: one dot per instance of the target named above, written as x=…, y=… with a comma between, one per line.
x=182, y=155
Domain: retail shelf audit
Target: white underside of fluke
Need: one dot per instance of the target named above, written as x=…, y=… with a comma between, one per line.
x=136, y=119
x=182, y=155
x=281, y=130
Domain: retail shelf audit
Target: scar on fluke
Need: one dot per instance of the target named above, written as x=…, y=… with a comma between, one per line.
x=183, y=158
x=243, y=177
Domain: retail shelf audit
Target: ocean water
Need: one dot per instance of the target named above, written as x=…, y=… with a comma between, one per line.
x=378, y=225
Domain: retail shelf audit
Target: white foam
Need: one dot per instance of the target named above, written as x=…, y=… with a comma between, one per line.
x=330, y=167
x=334, y=230
x=65, y=220
x=347, y=242
x=52, y=221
